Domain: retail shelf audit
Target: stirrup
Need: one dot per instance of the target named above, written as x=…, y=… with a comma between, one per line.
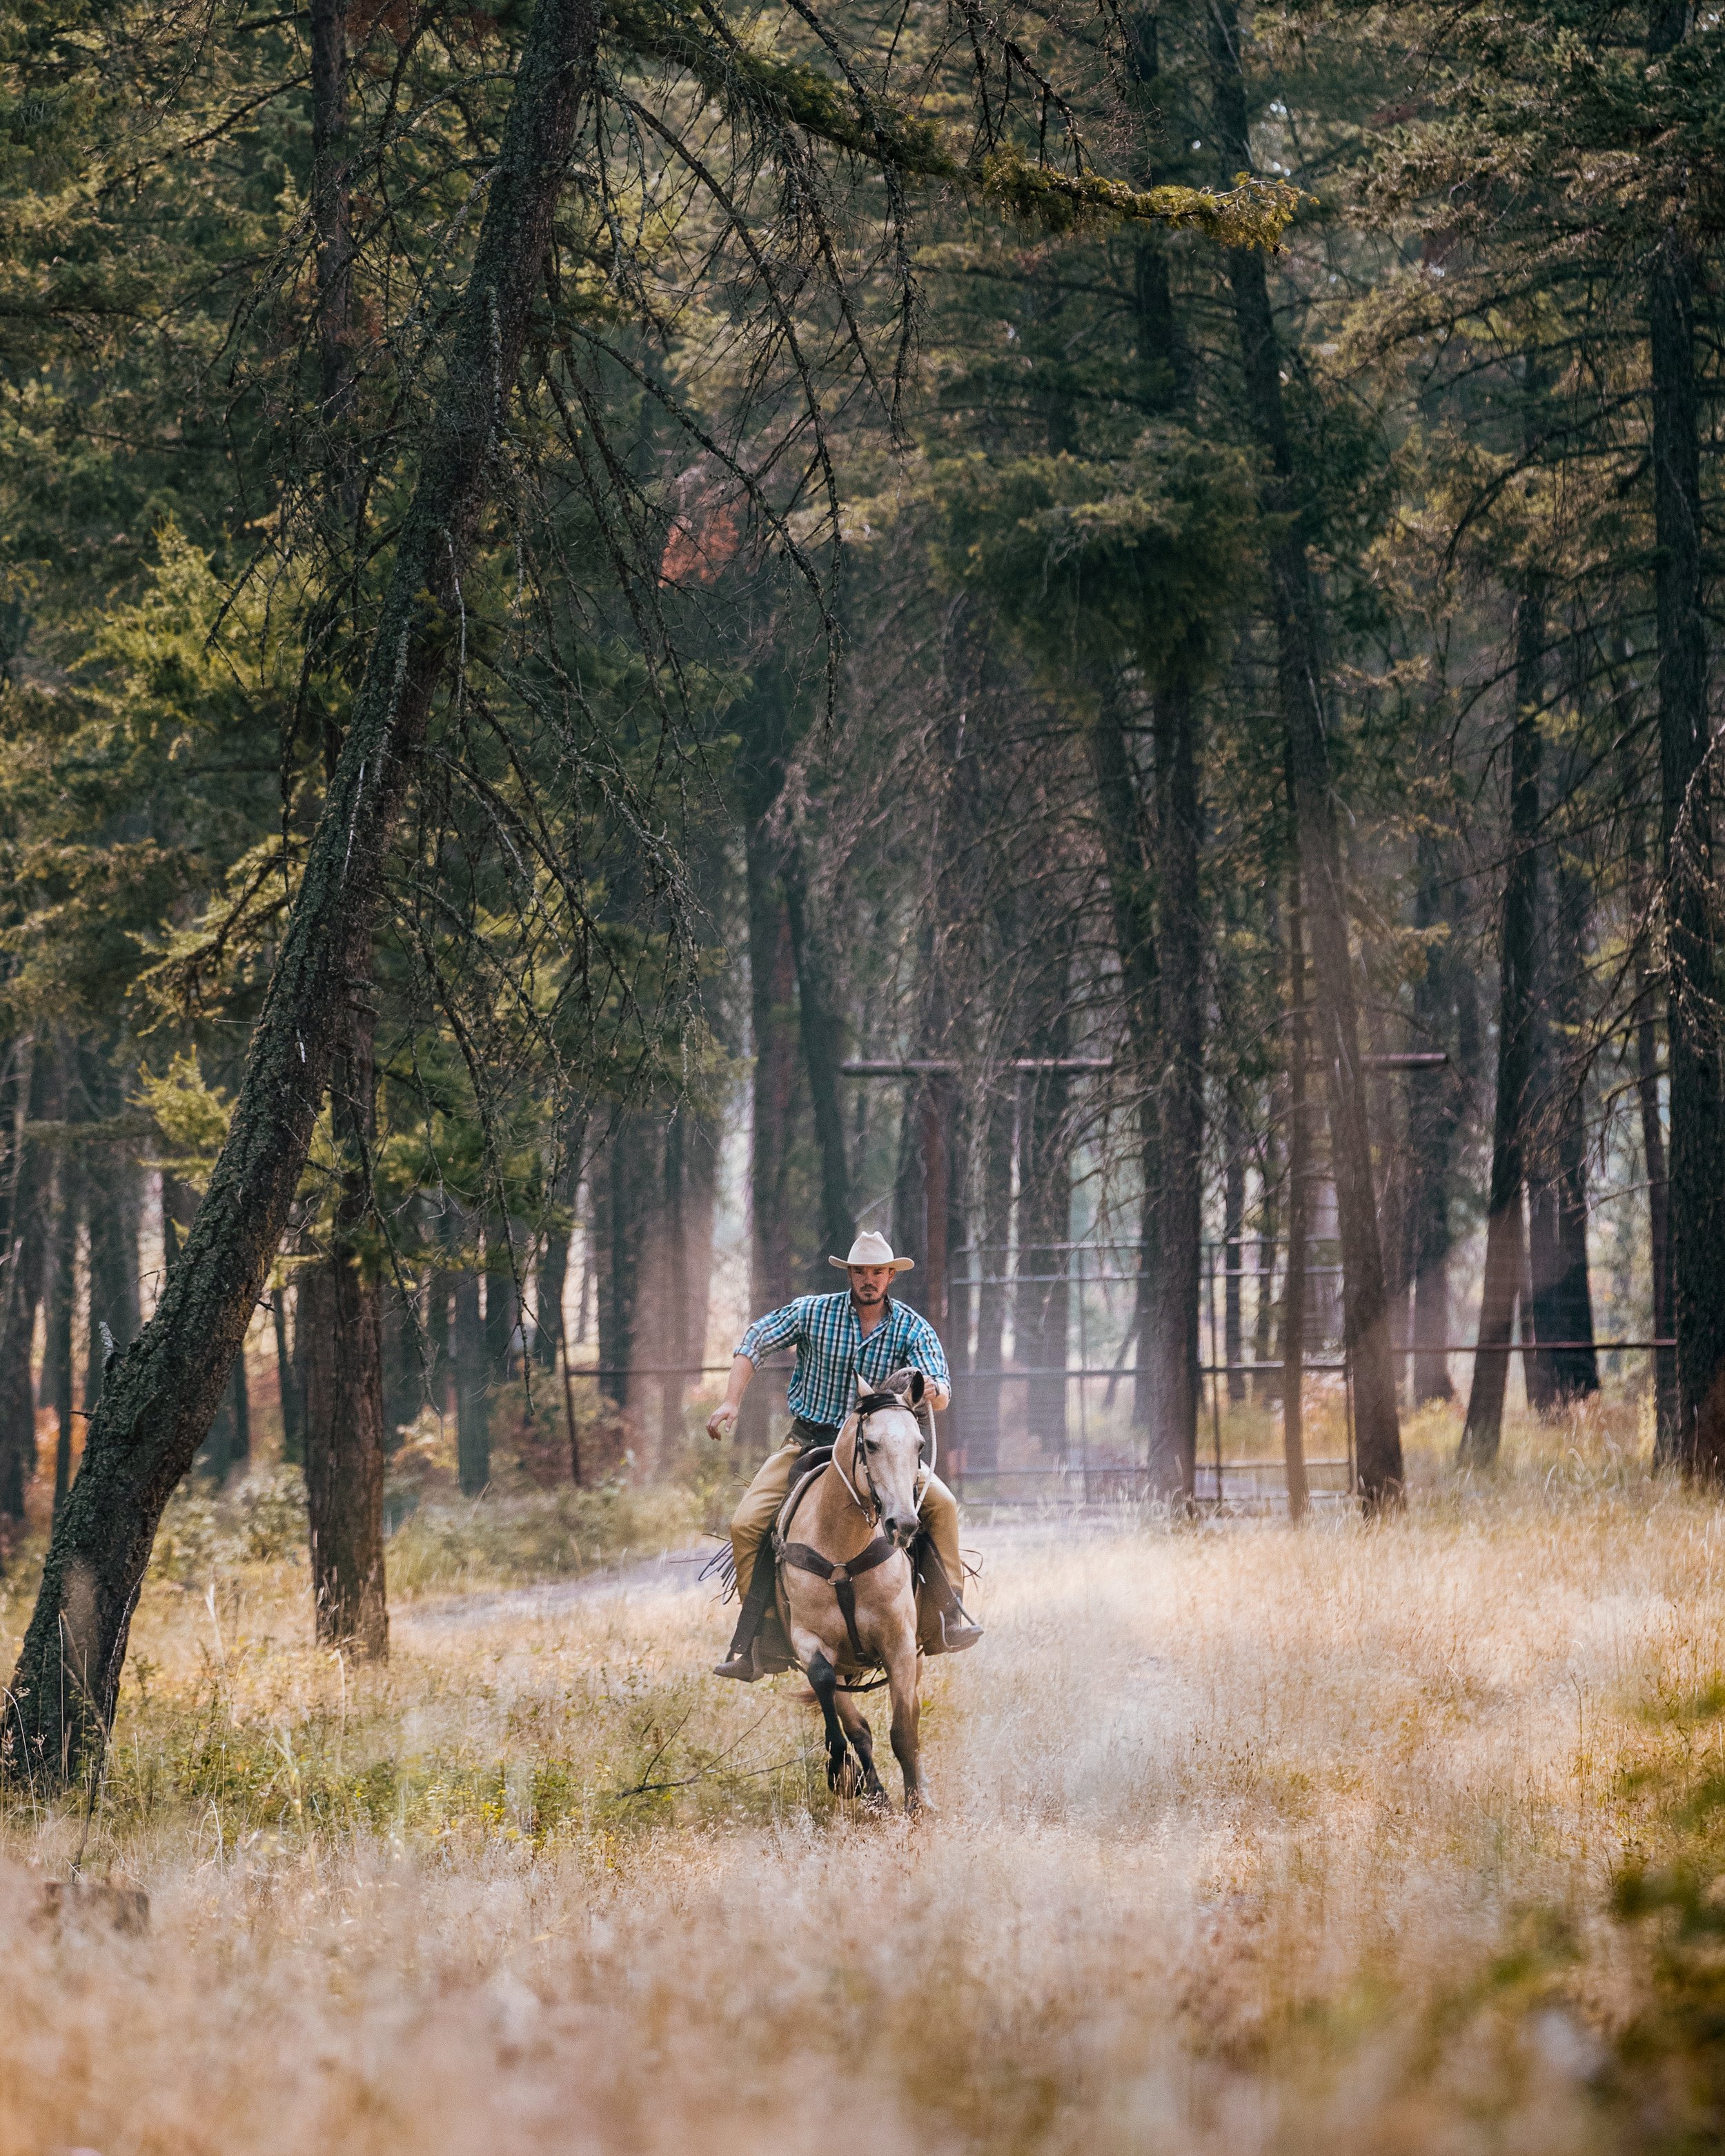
x=739, y=1665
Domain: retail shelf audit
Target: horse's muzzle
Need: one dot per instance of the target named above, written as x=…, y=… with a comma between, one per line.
x=902, y=1531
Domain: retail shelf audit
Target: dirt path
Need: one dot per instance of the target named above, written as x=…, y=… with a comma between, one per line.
x=678, y=1572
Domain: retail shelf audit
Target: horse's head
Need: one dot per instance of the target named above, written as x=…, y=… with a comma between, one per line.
x=889, y=1449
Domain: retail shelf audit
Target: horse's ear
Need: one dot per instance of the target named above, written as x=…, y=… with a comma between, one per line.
x=862, y=1390
x=918, y=1387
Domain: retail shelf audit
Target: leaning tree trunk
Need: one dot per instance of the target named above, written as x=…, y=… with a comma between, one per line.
x=1506, y=1248
x=344, y=1404
x=162, y=1395
x=1698, y=1096
x=1300, y=690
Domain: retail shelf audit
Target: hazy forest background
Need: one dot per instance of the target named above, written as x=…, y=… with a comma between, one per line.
x=567, y=579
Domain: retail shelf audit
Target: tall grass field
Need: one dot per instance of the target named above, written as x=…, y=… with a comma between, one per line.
x=1346, y=1837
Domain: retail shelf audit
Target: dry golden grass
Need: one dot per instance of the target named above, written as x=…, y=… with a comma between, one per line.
x=1248, y=1839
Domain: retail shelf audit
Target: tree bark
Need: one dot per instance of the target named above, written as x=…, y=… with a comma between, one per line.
x=549, y=1283
x=624, y=1176
x=822, y=1031
x=1293, y=1316
x=344, y=1405
x=1041, y=1315
x=1268, y=1233
x=57, y=1372
x=1126, y=832
x=31, y=1223
x=502, y=1303
x=552, y=1284
x=1653, y=1157
x=162, y=1394
x=287, y=1379
x=771, y=994
x=438, y=1337
x=1506, y=1246
x=1300, y=688
x=980, y=1406
x=1179, y=1195
x=762, y=723
x=473, y=1429
x=1692, y=986
x=1233, y=1178
x=111, y=1209
x=1435, y=1097
x=332, y=221
x=240, y=1407
x=1563, y=1305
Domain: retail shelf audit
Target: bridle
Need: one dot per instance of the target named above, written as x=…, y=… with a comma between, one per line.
x=877, y=1403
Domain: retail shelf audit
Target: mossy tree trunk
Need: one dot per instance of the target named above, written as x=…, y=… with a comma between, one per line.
x=162, y=1394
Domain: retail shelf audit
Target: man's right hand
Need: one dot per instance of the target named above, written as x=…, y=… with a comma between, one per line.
x=721, y=1422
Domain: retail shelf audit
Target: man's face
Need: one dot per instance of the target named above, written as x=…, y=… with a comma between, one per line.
x=869, y=1283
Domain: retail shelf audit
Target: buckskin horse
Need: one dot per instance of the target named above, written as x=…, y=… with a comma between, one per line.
x=847, y=1591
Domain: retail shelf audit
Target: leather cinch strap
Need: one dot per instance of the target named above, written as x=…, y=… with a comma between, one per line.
x=839, y=1576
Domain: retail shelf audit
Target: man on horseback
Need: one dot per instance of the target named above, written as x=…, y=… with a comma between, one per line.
x=859, y=1332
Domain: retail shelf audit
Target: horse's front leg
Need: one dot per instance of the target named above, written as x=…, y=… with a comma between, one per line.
x=862, y=1742
x=823, y=1682
x=903, y=1669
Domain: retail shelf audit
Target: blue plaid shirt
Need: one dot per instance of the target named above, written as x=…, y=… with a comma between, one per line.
x=831, y=1349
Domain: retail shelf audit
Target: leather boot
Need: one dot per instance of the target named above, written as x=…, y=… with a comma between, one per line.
x=740, y=1661
x=958, y=1630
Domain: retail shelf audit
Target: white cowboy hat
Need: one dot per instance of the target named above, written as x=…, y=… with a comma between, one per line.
x=872, y=1250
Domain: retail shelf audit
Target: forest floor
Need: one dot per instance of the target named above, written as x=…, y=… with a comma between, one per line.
x=1249, y=1837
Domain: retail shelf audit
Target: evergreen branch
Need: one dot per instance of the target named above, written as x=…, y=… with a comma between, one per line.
x=1254, y=213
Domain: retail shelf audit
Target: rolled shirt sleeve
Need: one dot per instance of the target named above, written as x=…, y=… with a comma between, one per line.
x=777, y=1329
x=929, y=1355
